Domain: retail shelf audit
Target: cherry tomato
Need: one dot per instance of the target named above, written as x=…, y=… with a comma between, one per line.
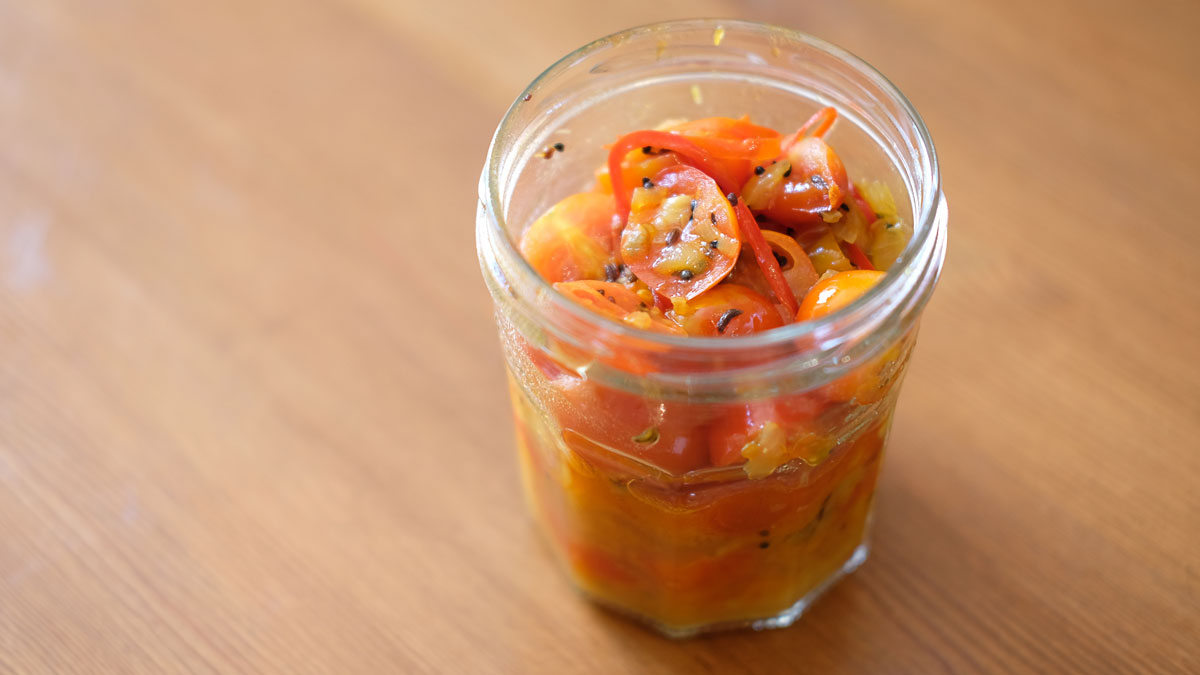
x=636, y=166
x=617, y=302
x=729, y=310
x=730, y=433
x=747, y=273
x=808, y=181
x=737, y=144
x=682, y=236
x=836, y=292
x=872, y=380
x=573, y=240
x=780, y=501
x=754, y=140
x=795, y=264
x=681, y=145
x=789, y=415
x=765, y=257
x=597, y=420
x=595, y=563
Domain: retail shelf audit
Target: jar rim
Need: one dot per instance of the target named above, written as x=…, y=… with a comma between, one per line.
x=860, y=312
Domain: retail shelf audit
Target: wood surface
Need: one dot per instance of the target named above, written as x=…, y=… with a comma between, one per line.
x=252, y=411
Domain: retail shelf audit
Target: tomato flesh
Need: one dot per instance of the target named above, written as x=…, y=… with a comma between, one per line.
x=743, y=423
x=681, y=145
x=729, y=434
x=682, y=235
x=729, y=310
x=636, y=166
x=573, y=240
x=794, y=263
x=597, y=420
x=737, y=144
x=814, y=183
x=619, y=303
x=765, y=256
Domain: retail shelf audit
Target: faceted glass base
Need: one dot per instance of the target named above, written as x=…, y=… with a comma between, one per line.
x=781, y=620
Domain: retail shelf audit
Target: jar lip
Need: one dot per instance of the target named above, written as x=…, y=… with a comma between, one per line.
x=859, y=312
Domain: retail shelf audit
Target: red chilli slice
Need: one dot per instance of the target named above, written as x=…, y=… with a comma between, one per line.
x=819, y=124
x=853, y=252
x=681, y=145
x=766, y=258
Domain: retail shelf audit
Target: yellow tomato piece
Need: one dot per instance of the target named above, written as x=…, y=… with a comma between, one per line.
x=835, y=292
x=573, y=240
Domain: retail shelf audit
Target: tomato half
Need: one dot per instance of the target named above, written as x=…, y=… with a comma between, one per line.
x=795, y=264
x=682, y=236
x=644, y=162
x=597, y=420
x=789, y=416
x=836, y=292
x=864, y=384
x=573, y=240
x=729, y=310
x=732, y=431
x=737, y=144
x=764, y=255
x=808, y=181
x=747, y=273
x=617, y=302
x=681, y=145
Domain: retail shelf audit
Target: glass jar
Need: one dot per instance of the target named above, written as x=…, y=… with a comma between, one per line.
x=615, y=426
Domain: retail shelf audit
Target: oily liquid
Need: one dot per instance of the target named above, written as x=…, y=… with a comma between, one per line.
x=685, y=555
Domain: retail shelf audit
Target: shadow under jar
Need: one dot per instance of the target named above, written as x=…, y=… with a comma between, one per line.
x=610, y=419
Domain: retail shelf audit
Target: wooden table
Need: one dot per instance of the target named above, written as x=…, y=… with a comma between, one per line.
x=252, y=412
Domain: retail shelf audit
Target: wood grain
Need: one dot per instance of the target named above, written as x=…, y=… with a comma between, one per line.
x=252, y=413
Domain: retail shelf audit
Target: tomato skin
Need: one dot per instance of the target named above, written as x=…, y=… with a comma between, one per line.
x=836, y=292
x=756, y=312
x=597, y=420
x=863, y=384
x=799, y=200
x=617, y=302
x=740, y=423
x=666, y=241
x=765, y=257
x=747, y=273
x=634, y=167
x=726, y=149
x=796, y=266
x=732, y=431
x=737, y=144
x=573, y=240
x=681, y=145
